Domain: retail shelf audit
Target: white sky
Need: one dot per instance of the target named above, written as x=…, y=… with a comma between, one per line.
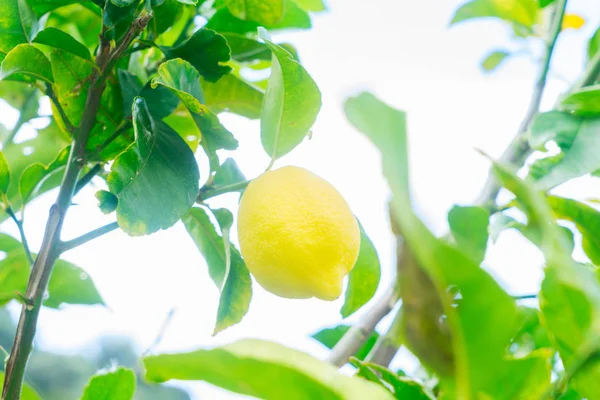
x=405, y=53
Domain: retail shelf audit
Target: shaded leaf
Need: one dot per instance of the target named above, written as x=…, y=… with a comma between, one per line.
x=160, y=101
x=233, y=94
x=58, y=39
x=26, y=63
x=70, y=284
x=330, y=336
x=265, y=370
x=558, y=126
x=469, y=227
x=290, y=106
x=493, y=60
x=244, y=48
x=18, y=24
x=363, y=279
x=107, y=202
x=118, y=384
x=156, y=179
x=228, y=173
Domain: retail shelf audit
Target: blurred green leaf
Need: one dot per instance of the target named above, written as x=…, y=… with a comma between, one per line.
x=531, y=333
x=4, y=174
x=522, y=12
x=290, y=106
x=228, y=173
x=584, y=102
x=107, y=202
x=56, y=38
x=41, y=7
x=554, y=125
x=542, y=166
x=123, y=3
x=363, y=279
x=545, y=3
x=579, y=160
x=165, y=15
x=527, y=377
x=330, y=336
x=27, y=394
x=26, y=63
x=477, y=310
x=469, y=227
x=14, y=273
x=225, y=267
x=593, y=45
x=265, y=370
x=493, y=60
x=156, y=179
x=206, y=50
x=180, y=77
x=33, y=176
x=244, y=48
x=70, y=284
x=311, y=5
x=79, y=20
x=233, y=94
x=118, y=384
x=263, y=12
x=18, y=24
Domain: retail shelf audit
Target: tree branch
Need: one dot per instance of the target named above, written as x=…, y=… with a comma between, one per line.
x=95, y=170
x=388, y=344
x=19, y=224
x=42, y=268
x=214, y=191
x=83, y=239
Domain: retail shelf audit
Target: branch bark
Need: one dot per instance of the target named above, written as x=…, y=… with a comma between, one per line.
x=49, y=252
x=83, y=239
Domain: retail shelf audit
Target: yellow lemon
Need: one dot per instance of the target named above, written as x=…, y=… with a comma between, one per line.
x=297, y=234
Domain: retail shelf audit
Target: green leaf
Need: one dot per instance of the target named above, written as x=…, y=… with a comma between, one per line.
x=180, y=77
x=593, y=45
x=107, y=202
x=585, y=102
x=235, y=95
x=469, y=227
x=165, y=15
x=579, y=160
x=70, y=284
x=265, y=370
x=545, y=3
x=34, y=176
x=311, y=5
x=206, y=50
x=26, y=63
x=554, y=125
x=155, y=179
x=527, y=377
x=123, y=3
x=330, y=336
x=27, y=393
x=290, y=106
x=493, y=60
x=477, y=310
x=522, y=12
x=118, y=384
x=18, y=24
x=225, y=267
x=363, y=279
x=14, y=273
x=58, y=39
x=585, y=218
x=228, y=173
x=531, y=333
x=542, y=167
x=4, y=174
x=263, y=12
x=245, y=49
x=160, y=101
x=41, y=7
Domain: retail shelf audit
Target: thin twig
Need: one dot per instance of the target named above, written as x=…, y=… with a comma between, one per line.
x=525, y=297
x=83, y=239
x=388, y=344
x=87, y=178
x=24, y=242
x=161, y=332
x=213, y=191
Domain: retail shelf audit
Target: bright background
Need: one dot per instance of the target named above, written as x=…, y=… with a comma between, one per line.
x=403, y=51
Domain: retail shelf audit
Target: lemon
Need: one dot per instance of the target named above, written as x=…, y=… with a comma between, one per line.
x=297, y=234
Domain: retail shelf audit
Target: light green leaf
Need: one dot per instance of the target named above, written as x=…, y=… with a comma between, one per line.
x=118, y=384
x=206, y=50
x=545, y=3
x=265, y=370
x=363, y=279
x=235, y=95
x=477, y=310
x=18, y=24
x=225, y=267
x=469, y=227
x=41, y=7
x=155, y=179
x=311, y=5
x=579, y=160
x=493, y=60
x=180, y=77
x=527, y=377
x=542, y=166
x=14, y=273
x=522, y=12
x=70, y=284
x=244, y=48
x=34, y=176
x=554, y=125
x=107, y=202
x=4, y=174
x=228, y=173
x=584, y=102
x=27, y=394
x=329, y=337
x=58, y=39
x=26, y=63
x=593, y=45
x=263, y=12
x=290, y=106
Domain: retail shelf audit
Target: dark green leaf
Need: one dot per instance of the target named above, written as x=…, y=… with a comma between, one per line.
x=156, y=179
x=26, y=63
x=469, y=227
x=477, y=310
x=265, y=370
x=206, y=50
x=118, y=384
x=244, y=48
x=41, y=7
x=290, y=106
x=584, y=102
x=4, y=174
x=233, y=280
x=363, y=279
x=80, y=20
x=122, y=3
x=118, y=19
x=107, y=202
x=27, y=394
x=228, y=173
x=330, y=336
x=71, y=285
x=160, y=101
x=165, y=15
x=553, y=125
x=263, y=12
x=545, y=3
x=232, y=94
x=130, y=89
x=58, y=39
x=522, y=12
x=34, y=176
x=579, y=160
x=18, y=24
x=493, y=60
